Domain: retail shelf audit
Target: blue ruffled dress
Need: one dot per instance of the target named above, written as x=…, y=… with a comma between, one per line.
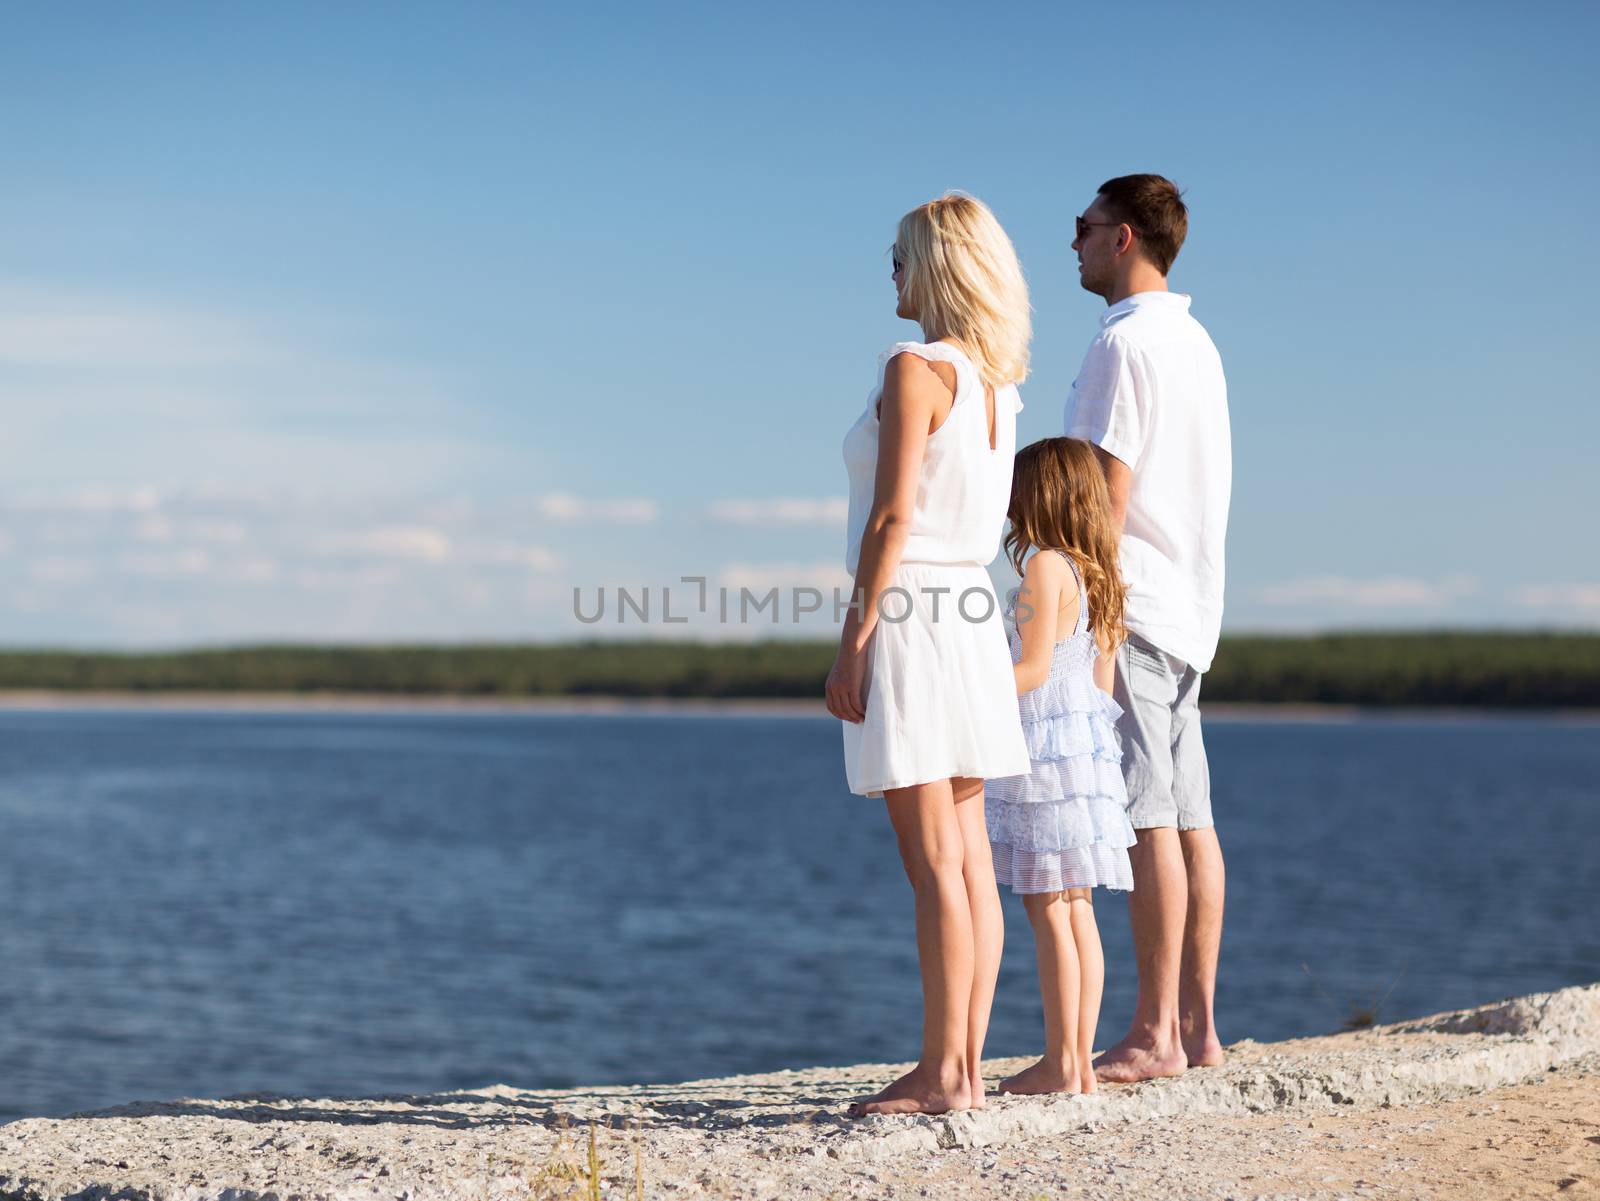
x=1064, y=824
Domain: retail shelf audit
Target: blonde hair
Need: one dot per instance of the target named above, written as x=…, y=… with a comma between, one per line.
x=963, y=281
x=1059, y=501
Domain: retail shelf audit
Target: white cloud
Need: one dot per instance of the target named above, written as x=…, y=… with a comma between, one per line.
x=44, y=328
x=1584, y=598
x=158, y=527
x=154, y=529
x=89, y=498
x=229, y=533
x=427, y=544
x=788, y=510
x=350, y=579
x=251, y=571
x=166, y=564
x=420, y=543
x=107, y=566
x=1387, y=592
x=60, y=569
x=563, y=507
x=509, y=554
x=105, y=388
x=758, y=577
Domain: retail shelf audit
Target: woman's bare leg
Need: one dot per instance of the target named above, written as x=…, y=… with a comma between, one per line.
x=1059, y=986
x=1091, y=980
x=988, y=923
x=931, y=848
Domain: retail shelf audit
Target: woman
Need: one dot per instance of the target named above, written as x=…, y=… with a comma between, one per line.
x=923, y=678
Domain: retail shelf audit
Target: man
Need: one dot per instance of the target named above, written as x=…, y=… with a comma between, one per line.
x=1151, y=397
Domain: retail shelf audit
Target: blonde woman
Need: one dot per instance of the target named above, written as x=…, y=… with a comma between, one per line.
x=923, y=678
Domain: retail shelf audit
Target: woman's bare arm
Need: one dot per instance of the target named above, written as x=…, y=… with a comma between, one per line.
x=914, y=401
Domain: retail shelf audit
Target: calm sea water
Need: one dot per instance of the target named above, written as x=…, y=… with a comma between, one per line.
x=204, y=904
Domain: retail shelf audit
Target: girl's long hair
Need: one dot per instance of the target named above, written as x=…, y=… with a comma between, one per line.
x=964, y=282
x=1059, y=501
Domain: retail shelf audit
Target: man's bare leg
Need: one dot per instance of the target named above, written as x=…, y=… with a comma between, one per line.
x=1202, y=941
x=1158, y=907
x=932, y=851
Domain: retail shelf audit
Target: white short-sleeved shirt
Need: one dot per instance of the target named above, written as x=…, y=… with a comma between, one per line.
x=1151, y=392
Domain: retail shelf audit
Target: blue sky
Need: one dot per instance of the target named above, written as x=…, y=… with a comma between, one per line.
x=401, y=321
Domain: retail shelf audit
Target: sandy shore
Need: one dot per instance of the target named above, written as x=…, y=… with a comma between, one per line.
x=1501, y=1101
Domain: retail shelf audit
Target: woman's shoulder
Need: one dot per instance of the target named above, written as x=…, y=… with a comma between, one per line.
x=918, y=366
x=937, y=352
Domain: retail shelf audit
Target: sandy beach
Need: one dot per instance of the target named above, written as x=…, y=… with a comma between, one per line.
x=1502, y=1100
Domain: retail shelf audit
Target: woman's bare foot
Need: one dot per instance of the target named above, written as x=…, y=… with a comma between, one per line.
x=1129, y=1062
x=1086, y=1081
x=917, y=1091
x=1203, y=1052
x=977, y=1098
x=1042, y=1077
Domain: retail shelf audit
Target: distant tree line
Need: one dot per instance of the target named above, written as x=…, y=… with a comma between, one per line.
x=1497, y=669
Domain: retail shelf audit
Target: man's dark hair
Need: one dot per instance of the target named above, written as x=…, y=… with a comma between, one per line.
x=1154, y=207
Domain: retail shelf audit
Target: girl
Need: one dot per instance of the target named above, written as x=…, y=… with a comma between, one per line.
x=1063, y=829
x=922, y=680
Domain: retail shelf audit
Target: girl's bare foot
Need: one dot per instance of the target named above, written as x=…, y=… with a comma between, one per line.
x=917, y=1091
x=1042, y=1077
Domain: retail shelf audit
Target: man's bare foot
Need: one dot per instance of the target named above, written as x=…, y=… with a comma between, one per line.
x=916, y=1092
x=1203, y=1052
x=1042, y=1077
x=1128, y=1062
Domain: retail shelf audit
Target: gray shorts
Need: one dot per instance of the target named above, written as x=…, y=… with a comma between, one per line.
x=1163, y=756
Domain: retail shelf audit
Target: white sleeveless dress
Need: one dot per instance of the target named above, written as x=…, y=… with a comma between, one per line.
x=941, y=698
x=1064, y=824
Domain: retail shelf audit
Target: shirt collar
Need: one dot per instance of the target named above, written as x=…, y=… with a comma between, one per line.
x=1172, y=302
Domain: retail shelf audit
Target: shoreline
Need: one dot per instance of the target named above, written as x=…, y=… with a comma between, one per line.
x=63, y=700
x=1500, y=1100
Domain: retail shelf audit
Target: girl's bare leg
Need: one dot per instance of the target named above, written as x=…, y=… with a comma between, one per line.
x=1091, y=977
x=1059, y=986
x=988, y=923
x=932, y=851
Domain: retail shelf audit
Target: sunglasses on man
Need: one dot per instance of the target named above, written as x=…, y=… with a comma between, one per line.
x=1084, y=226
